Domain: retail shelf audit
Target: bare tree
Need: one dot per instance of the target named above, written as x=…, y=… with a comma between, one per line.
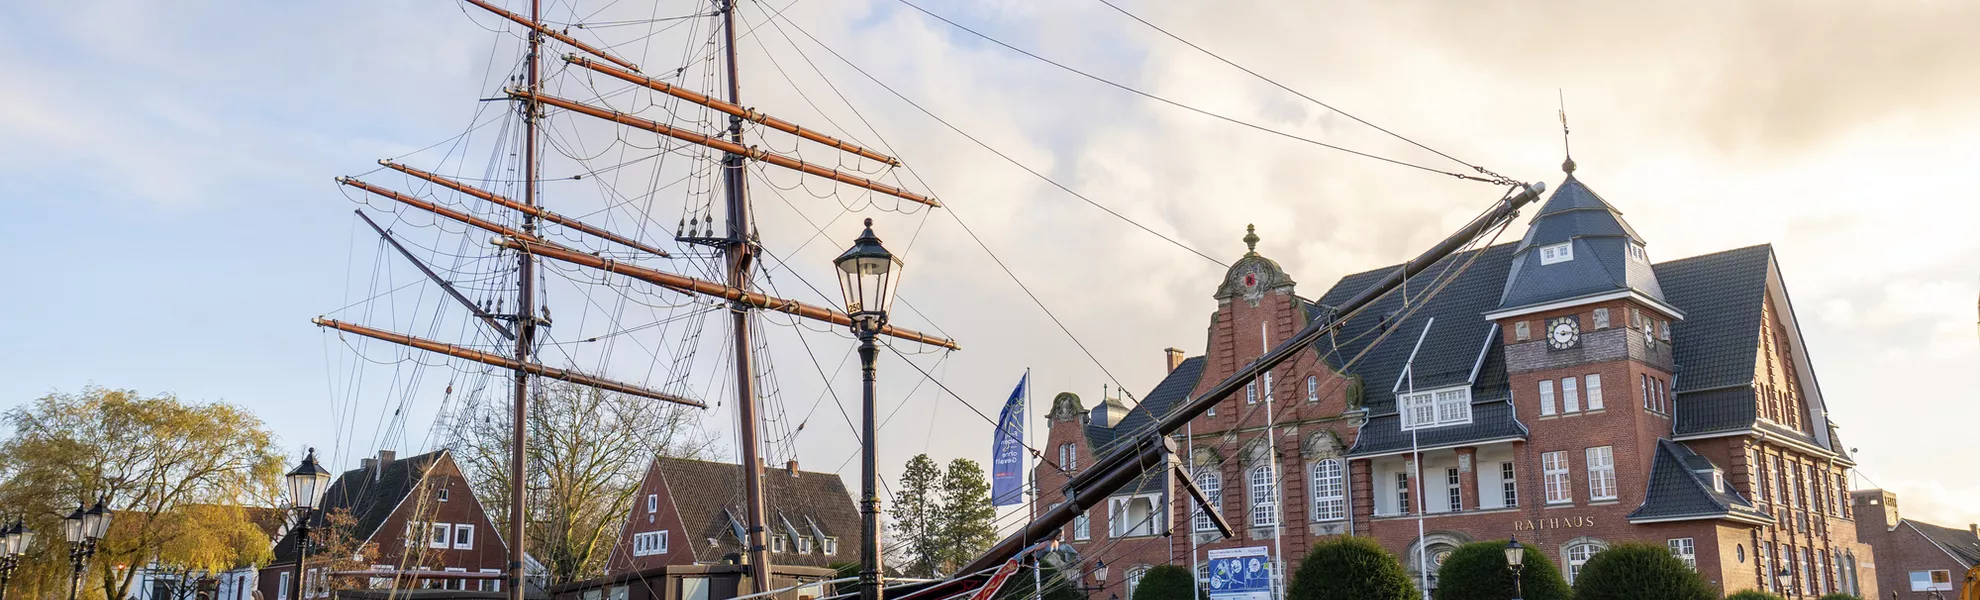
x=587, y=452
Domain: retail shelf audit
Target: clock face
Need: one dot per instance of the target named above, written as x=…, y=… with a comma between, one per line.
x=1563, y=332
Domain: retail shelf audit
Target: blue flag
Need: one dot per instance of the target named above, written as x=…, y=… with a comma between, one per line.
x=1007, y=450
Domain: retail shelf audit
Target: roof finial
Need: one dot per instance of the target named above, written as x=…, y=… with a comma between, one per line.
x=1567, y=166
x=1251, y=239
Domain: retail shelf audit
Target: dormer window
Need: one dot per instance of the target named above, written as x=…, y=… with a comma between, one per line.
x=1636, y=252
x=1557, y=253
x=1435, y=408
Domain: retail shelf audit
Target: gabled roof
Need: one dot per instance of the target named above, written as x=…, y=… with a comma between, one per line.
x=709, y=496
x=1960, y=543
x=1166, y=396
x=1681, y=488
x=1601, y=242
x=370, y=499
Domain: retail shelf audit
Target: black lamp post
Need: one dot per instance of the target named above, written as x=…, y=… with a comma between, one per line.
x=84, y=528
x=14, y=540
x=868, y=274
x=1099, y=578
x=1785, y=579
x=307, y=484
x=1516, y=560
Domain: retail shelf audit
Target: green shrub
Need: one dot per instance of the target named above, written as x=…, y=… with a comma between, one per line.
x=1478, y=571
x=1640, y=572
x=1350, y=568
x=1760, y=595
x=842, y=570
x=1838, y=596
x=1166, y=582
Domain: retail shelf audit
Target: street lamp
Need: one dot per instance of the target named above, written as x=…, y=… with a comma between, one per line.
x=1516, y=560
x=14, y=540
x=868, y=274
x=1786, y=580
x=1099, y=578
x=84, y=528
x=307, y=485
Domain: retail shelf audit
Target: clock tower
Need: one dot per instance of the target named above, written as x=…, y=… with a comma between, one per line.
x=1586, y=334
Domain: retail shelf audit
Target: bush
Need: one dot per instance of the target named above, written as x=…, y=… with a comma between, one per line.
x=1350, y=568
x=1640, y=572
x=1760, y=595
x=1166, y=582
x=1838, y=596
x=1478, y=571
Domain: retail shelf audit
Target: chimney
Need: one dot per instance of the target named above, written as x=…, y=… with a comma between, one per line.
x=791, y=467
x=385, y=458
x=1175, y=358
x=1975, y=528
x=368, y=463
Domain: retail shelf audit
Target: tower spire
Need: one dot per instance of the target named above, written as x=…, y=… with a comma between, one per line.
x=1567, y=166
x=1251, y=240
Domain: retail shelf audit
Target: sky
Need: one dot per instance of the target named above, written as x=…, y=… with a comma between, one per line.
x=168, y=174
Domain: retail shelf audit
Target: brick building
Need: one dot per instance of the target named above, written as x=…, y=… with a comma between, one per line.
x=689, y=512
x=1910, y=550
x=1563, y=388
x=419, y=521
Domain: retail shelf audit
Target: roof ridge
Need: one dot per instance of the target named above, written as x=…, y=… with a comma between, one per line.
x=1767, y=245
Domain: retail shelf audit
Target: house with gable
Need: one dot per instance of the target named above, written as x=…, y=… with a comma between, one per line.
x=689, y=512
x=1912, y=555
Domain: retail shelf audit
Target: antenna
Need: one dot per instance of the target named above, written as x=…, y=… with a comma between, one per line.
x=1567, y=166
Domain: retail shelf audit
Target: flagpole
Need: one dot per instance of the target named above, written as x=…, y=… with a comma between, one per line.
x=1189, y=454
x=1416, y=458
x=1278, y=482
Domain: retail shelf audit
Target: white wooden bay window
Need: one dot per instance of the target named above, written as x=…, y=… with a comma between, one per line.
x=1435, y=408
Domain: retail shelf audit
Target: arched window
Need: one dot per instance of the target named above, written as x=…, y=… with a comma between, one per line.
x=1264, y=497
x=1312, y=388
x=1211, y=481
x=1329, y=491
x=1578, y=554
x=1134, y=576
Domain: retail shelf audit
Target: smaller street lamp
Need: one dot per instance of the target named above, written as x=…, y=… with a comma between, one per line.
x=868, y=274
x=1516, y=560
x=84, y=528
x=1785, y=578
x=14, y=540
x=1099, y=578
x=307, y=484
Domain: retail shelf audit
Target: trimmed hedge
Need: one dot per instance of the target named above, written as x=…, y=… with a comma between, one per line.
x=1351, y=568
x=1637, y=571
x=1166, y=582
x=1478, y=571
x=1838, y=596
x=1760, y=595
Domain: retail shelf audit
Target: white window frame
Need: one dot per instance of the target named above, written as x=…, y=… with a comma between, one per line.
x=454, y=584
x=1211, y=482
x=1685, y=550
x=1570, y=395
x=831, y=546
x=649, y=543
x=804, y=544
x=1118, y=525
x=493, y=584
x=617, y=592
x=1312, y=388
x=381, y=582
x=1251, y=392
x=1578, y=555
x=1402, y=492
x=1557, y=253
x=1435, y=408
x=1453, y=490
x=1601, y=473
x=460, y=528
x=1509, y=484
x=779, y=544
x=652, y=503
x=1555, y=471
x=1329, y=490
x=1134, y=575
x=282, y=584
x=440, y=535
x=1083, y=526
x=1546, y=397
x=1264, y=496
x=443, y=494
x=1593, y=386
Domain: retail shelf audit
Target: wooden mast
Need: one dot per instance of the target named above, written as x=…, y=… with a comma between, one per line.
x=741, y=253
x=525, y=320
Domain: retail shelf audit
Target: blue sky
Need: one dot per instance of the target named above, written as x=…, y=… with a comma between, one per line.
x=168, y=174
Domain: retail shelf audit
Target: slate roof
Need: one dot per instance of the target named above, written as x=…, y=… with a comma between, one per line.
x=1601, y=250
x=1450, y=351
x=1681, y=487
x=369, y=499
x=709, y=498
x=1173, y=389
x=1960, y=543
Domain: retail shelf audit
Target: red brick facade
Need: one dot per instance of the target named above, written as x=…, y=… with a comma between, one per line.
x=1903, y=546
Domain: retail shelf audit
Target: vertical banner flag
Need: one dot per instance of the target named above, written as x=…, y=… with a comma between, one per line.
x=1007, y=450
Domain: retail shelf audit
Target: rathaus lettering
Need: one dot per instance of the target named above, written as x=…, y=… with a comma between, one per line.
x=1553, y=523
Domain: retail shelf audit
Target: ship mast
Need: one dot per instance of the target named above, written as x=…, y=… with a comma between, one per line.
x=525, y=315
x=740, y=254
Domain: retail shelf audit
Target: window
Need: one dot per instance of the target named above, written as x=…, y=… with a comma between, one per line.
x=438, y=537
x=832, y=545
x=1436, y=408
x=1522, y=331
x=1134, y=576
x=652, y=503
x=1264, y=497
x=1601, y=473
x=1547, y=397
x=1312, y=388
x=1763, y=555
x=1134, y=516
x=1594, y=391
x=1825, y=569
x=1251, y=392
x=1578, y=555
x=1211, y=481
x=1685, y=551
x=455, y=583
x=1570, y=396
x=1508, y=484
x=493, y=584
x=1937, y=579
x=443, y=494
x=1329, y=491
x=1601, y=318
x=1663, y=403
x=282, y=585
x=1553, y=465
x=463, y=536
x=1082, y=527
x=804, y=544
x=779, y=544
x=1069, y=456
x=652, y=542
x=1807, y=575
x=1557, y=253
x=1268, y=386
x=617, y=592
x=309, y=586
x=1647, y=405
x=413, y=534
x=1453, y=490
x=1402, y=493
x=1636, y=252
x=379, y=583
